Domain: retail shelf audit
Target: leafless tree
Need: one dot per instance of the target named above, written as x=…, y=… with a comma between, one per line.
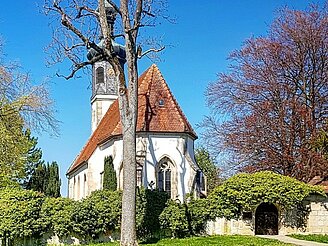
x=82, y=23
x=32, y=102
x=270, y=106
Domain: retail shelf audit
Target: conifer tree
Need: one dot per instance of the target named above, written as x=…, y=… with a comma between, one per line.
x=53, y=182
x=33, y=160
x=46, y=179
x=109, y=181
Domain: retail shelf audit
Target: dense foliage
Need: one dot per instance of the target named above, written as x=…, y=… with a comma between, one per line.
x=110, y=180
x=174, y=219
x=150, y=205
x=185, y=219
x=243, y=192
x=33, y=159
x=275, y=98
x=20, y=214
x=27, y=214
x=56, y=216
x=14, y=145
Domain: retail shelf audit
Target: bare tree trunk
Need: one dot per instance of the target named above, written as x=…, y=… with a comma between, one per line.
x=129, y=114
x=78, y=24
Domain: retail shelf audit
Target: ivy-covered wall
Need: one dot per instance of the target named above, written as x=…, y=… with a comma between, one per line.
x=234, y=204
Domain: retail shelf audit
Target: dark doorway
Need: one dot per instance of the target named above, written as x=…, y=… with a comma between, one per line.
x=266, y=219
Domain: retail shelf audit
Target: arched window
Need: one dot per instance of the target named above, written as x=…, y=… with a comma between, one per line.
x=100, y=75
x=84, y=184
x=78, y=188
x=164, y=175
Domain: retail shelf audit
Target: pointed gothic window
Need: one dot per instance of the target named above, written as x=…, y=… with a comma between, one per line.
x=78, y=188
x=164, y=177
x=100, y=75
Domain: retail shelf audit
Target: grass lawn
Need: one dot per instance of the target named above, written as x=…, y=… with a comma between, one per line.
x=217, y=240
x=312, y=237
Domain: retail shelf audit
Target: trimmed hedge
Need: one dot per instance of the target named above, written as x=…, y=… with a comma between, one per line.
x=29, y=214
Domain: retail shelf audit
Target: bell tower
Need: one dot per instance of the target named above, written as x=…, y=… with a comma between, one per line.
x=104, y=91
x=104, y=82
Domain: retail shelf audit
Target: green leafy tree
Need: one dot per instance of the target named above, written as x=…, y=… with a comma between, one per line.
x=174, y=219
x=110, y=180
x=209, y=168
x=14, y=145
x=96, y=214
x=321, y=143
x=22, y=106
x=37, y=179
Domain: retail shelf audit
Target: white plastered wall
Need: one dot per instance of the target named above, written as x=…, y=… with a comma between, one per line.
x=151, y=148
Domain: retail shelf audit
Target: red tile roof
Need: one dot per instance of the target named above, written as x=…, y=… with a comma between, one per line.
x=158, y=111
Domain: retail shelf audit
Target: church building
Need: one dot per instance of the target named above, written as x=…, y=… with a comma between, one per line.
x=165, y=139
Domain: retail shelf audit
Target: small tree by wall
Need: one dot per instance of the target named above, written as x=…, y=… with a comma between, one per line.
x=110, y=180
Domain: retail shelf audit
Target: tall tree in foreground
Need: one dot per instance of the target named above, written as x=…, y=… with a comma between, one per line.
x=23, y=106
x=269, y=107
x=93, y=25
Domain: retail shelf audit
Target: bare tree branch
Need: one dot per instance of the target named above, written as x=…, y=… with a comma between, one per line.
x=149, y=51
x=78, y=66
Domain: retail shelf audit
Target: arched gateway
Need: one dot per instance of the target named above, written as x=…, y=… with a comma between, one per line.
x=266, y=219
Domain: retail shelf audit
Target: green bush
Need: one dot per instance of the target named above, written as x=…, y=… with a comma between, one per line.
x=198, y=214
x=20, y=214
x=108, y=207
x=97, y=214
x=185, y=219
x=150, y=205
x=56, y=216
x=174, y=219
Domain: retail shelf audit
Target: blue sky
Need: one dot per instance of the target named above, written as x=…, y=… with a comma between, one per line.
x=199, y=44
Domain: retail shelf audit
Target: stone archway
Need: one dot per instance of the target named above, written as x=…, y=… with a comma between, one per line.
x=266, y=219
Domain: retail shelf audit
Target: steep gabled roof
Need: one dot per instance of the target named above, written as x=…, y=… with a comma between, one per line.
x=158, y=111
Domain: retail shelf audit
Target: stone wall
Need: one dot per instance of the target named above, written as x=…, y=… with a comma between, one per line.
x=312, y=220
x=318, y=217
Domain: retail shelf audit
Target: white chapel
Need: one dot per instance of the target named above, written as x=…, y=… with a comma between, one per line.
x=165, y=139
